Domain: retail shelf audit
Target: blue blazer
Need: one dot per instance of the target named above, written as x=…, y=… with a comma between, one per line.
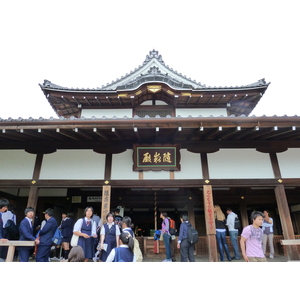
x=26, y=231
x=1, y=226
x=47, y=232
x=67, y=228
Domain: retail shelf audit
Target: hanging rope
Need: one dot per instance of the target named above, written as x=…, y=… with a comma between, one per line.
x=155, y=211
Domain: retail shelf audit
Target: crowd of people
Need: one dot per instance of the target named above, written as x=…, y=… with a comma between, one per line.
x=90, y=239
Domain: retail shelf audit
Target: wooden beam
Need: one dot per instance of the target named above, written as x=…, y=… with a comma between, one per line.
x=204, y=164
x=286, y=222
x=275, y=165
x=102, y=135
x=34, y=190
x=136, y=132
x=108, y=164
x=290, y=242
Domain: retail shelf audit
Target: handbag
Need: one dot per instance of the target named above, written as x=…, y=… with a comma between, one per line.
x=74, y=240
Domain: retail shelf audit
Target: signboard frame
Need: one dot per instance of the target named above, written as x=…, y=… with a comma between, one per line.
x=156, y=157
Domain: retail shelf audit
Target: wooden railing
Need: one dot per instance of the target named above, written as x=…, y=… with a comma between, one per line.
x=12, y=247
x=147, y=246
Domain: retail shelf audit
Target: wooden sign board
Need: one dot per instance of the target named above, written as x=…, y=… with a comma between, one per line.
x=156, y=158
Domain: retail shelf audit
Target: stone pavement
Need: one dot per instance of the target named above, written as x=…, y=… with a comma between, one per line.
x=198, y=258
x=204, y=258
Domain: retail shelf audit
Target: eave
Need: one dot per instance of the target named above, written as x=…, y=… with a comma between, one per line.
x=199, y=134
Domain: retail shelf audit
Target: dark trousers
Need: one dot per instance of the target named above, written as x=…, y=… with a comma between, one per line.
x=187, y=251
x=43, y=253
x=24, y=253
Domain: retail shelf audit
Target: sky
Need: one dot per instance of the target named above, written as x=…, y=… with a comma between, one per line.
x=87, y=44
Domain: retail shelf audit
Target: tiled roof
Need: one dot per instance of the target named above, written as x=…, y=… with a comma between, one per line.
x=153, y=69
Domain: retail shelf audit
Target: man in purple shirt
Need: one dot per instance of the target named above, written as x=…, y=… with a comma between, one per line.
x=252, y=238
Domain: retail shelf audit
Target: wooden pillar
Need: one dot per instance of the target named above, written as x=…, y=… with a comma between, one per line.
x=106, y=196
x=191, y=213
x=191, y=217
x=106, y=189
x=286, y=222
x=210, y=223
x=283, y=210
x=244, y=215
x=34, y=191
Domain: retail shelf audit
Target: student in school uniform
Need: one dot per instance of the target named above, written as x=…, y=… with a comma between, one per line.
x=127, y=225
x=45, y=236
x=109, y=236
x=66, y=226
x=26, y=234
x=3, y=208
x=123, y=253
x=85, y=228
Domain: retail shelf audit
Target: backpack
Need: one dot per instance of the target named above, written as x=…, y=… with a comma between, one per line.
x=172, y=226
x=237, y=223
x=137, y=251
x=12, y=229
x=192, y=234
x=57, y=238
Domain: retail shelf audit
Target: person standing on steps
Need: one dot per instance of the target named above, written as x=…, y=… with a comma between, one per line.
x=233, y=233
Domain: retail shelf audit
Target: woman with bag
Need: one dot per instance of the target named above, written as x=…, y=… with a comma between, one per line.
x=85, y=229
x=109, y=236
x=220, y=221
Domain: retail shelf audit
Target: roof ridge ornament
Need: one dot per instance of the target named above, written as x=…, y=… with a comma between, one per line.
x=154, y=54
x=154, y=70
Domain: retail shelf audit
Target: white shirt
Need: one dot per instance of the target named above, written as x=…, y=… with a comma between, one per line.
x=78, y=225
x=109, y=226
x=230, y=221
x=30, y=222
x=112, y=254
x=8, y=215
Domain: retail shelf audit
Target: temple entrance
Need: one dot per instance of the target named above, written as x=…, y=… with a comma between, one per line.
x=140, y=204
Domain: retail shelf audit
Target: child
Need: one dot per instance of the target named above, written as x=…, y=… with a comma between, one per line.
x=126, y=249
x=76, y=255
x=252, y=238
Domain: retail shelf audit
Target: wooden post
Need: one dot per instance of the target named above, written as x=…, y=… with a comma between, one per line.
x=283, y=209
x=286, y=222
x=191, y=217
x=244, y=215
x=106, y=196
x=210, y=223
x=34, y=191
x=33, y=197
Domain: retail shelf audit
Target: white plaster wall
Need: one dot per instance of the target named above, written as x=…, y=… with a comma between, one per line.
x=204, y=112
x=289, y=163
x=154, y=175
x=190, y=166
x=73, y=164
x=122, y=164
x=239, y=164
x=16, y=164
x=108, y=113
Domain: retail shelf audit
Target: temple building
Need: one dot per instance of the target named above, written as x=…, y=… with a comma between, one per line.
x=154, y=140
